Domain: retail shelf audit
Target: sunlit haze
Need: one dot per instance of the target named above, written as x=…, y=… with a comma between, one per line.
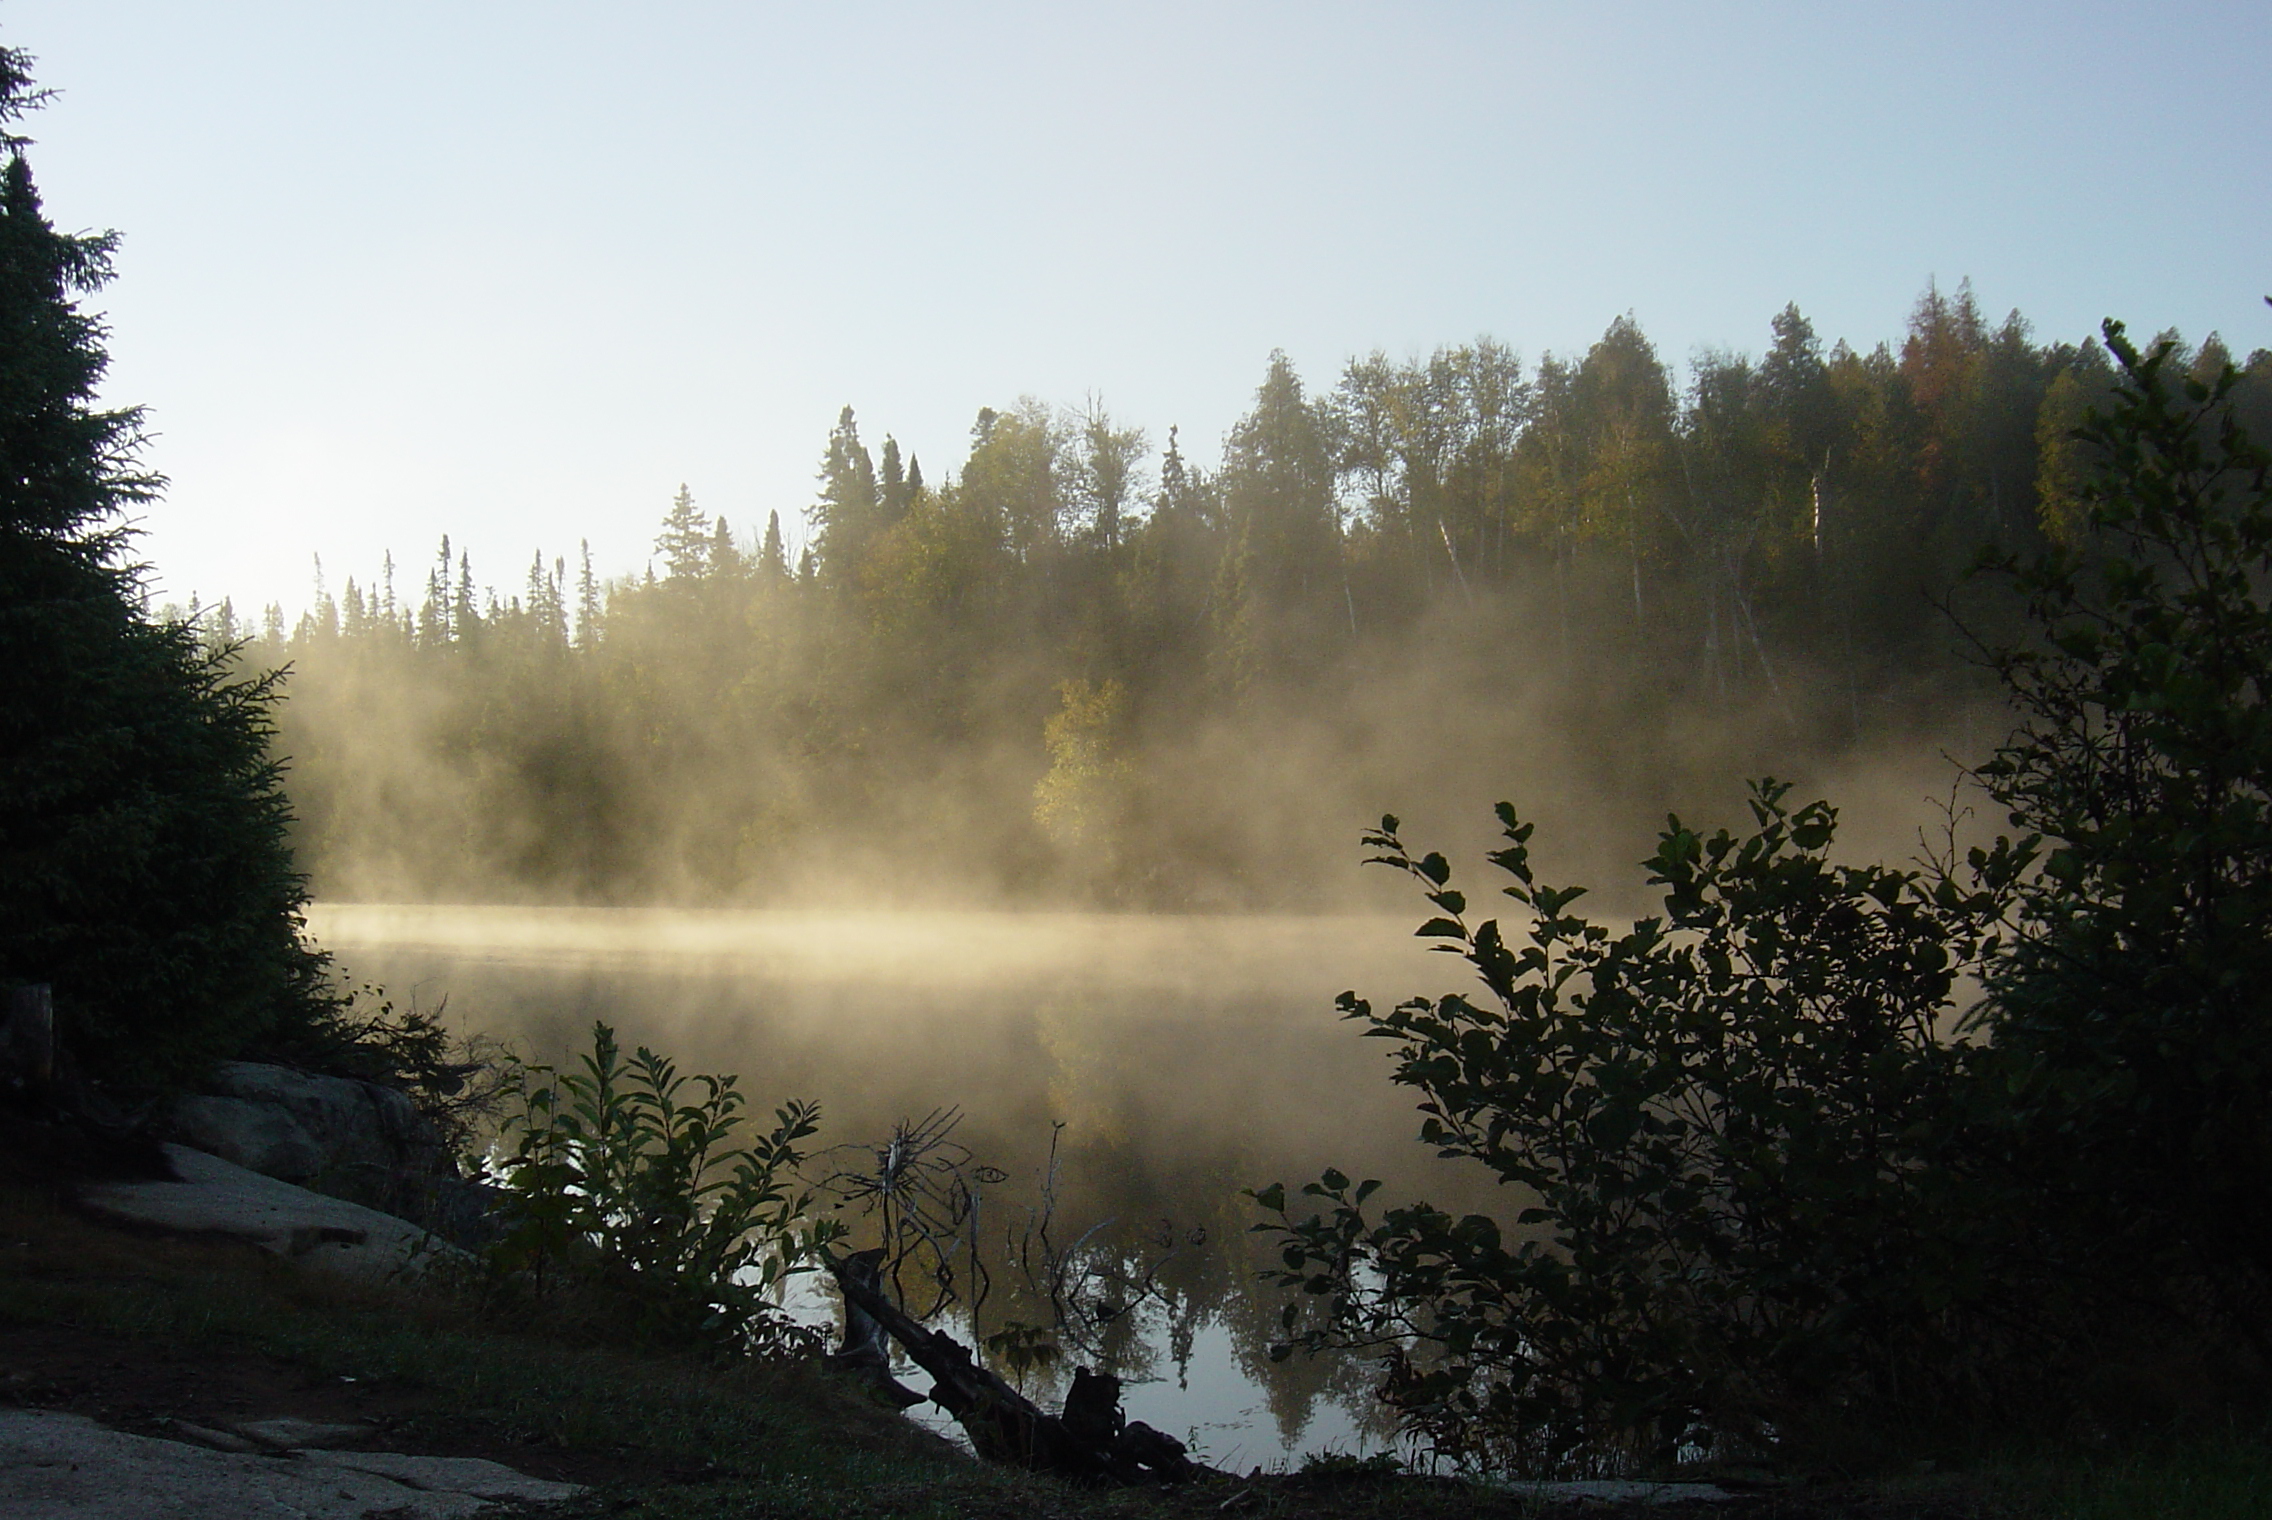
x=516, y=271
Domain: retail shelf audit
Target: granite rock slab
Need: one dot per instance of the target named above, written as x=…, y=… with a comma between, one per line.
x=217, y=1197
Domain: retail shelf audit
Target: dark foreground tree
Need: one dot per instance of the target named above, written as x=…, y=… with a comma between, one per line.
x=143, y=866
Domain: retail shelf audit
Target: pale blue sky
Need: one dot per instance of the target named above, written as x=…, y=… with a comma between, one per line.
x=515, y=270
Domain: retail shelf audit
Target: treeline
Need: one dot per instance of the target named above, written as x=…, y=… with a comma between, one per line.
x=1077, y=663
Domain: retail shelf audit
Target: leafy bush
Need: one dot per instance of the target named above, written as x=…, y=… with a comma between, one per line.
x=1724, y=1119
x=1771, y=1179
x=635, y=1203
x=2132, y=1015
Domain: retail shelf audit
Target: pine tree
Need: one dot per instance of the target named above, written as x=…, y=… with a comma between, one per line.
x=845, y=517
x=587, y=602
x=684, y=542
x=725, y=559
x=893, y=491
x=1280, y=488
x=773, y=559
x=465, y=616
x=144, y=869
x=434, y=612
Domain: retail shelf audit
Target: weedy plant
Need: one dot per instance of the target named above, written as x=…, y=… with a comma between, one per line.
x=925, y=1196
x=631, y=1194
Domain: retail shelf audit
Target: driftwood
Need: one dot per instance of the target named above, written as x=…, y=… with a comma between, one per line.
x=867, y=1352
x=1090, y=1442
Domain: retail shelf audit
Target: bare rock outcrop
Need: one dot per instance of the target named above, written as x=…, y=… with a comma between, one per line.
x=68, y=1467
x=301, y=1127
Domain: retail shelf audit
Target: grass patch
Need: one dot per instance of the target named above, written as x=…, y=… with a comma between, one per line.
x=672, y=1435
x=2219, y=1475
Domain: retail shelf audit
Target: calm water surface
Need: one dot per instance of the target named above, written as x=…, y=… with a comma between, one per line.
x=1174, y=1060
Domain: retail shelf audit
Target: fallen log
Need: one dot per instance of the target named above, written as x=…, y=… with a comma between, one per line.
x=866, y=1352
x=1089, y=1443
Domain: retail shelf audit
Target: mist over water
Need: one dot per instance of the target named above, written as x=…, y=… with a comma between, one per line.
x=1174, y=1059
x=1187, y=1058
x=841, y=827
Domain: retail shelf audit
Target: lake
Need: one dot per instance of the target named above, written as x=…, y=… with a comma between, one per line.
x=1165, y=1062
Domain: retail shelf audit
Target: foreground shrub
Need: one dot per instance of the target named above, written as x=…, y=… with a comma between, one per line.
x=631, y=1202
x=2132, y=1016
x=1725, y=1121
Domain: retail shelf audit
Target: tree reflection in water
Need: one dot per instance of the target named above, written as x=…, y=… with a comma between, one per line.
x=1066, y=1131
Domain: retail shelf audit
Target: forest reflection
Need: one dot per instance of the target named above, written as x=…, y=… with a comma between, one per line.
x=1170, y=1061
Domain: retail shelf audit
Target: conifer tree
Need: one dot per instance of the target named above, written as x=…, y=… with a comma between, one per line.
x=844, y=519
x=892, y=492
x=587, y=602
x=144, y=869
x=684, y=542
x=434, y=612
x=725, y=559
x=773, y=559
x=465, y=616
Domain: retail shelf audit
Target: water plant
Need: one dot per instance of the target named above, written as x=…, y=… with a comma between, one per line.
x=630, y=1191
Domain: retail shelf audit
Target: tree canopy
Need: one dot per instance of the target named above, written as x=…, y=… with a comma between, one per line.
x=1651, y=577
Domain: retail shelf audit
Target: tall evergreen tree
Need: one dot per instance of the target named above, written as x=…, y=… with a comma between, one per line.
x=892, y=492
x=772, y=559
x=725, y=559
x=1280, y=492
x=465, y=614
x=684, y=542
x=844, y=519
x=587, y=602
x=144, y=872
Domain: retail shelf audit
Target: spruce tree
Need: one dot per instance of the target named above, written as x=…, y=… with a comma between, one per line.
x=589, y=605
x=144, y=869
x=725, y=559
x=845, y=518
x=684, y=542
x=772, y=560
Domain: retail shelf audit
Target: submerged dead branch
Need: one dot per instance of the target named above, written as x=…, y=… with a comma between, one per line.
x=1089, y=1442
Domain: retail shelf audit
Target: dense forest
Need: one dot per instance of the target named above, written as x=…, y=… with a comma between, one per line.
x=1084, y=668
